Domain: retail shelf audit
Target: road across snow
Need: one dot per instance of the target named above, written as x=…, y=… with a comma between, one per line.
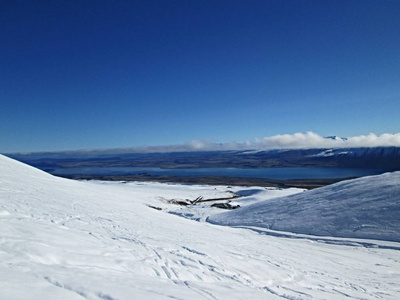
x=64, y=239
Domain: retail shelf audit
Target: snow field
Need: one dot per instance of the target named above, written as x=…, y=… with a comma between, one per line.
x=64, y=239
x=367, y=207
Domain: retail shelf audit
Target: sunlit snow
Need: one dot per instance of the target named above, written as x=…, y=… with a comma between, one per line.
x=64, y=239
x=367, y=207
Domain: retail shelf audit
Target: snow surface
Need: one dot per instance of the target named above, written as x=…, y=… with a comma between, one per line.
x=367, y=207
x=64, y=239
x=248, y=196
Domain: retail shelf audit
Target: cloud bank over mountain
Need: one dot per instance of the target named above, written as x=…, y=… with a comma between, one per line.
x=308, y=140
x=311, y=140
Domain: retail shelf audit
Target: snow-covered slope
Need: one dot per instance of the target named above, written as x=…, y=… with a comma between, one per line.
x=63, y=239
x=367, y=153
x=367, y=207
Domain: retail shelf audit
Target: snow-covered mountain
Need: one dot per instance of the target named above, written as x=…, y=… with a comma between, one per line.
x=378, y=152
x=64, y=239
x=335, y=138
x=383, y=158
x=367, y=207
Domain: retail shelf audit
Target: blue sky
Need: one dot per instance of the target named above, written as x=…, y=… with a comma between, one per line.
x=108, y=74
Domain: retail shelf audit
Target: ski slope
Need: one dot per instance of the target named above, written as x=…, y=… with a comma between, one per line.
x=64, y=239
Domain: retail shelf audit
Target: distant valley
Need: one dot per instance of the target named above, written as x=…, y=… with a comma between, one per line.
x=387, y=158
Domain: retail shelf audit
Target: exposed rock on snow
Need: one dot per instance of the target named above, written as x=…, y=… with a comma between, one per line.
x=226, y=205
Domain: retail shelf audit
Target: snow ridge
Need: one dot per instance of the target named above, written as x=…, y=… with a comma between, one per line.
x=367, y=207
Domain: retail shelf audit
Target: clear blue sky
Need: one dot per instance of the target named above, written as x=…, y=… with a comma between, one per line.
x=105, y=74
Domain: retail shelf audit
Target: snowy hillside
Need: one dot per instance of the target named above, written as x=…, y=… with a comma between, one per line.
x=367, y=207
x=367, y=153
x=64, y=239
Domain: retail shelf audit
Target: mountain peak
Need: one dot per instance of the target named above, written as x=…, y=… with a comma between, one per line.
x=335, y=137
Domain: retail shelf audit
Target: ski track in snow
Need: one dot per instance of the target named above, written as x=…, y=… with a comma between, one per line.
x=63, y=239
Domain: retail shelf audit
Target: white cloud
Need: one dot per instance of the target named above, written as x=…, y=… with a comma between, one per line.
x=311, y=140
x=308, y=140
x=373, y=140
x=297, y=140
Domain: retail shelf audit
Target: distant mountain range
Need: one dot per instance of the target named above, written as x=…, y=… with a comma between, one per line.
x=375, y=158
